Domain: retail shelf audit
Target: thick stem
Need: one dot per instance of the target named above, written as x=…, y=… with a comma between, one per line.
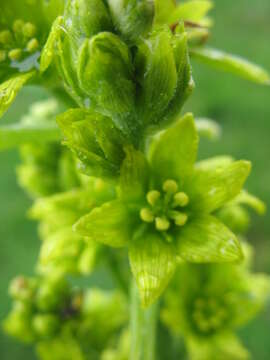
x=143, y=325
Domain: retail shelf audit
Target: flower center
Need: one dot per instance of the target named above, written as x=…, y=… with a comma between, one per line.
x=166, y=207
x=208, y=314
x=18, y=42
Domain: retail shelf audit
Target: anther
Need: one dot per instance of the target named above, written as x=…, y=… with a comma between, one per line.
x=3, y=55
x=147, y=215
x=152, y=197
x=29, y=30
x=5, y=37
x=170, y=186
x=162, y=224
x=15, y=54
x=18, y=26
x=32, y=45
x=180, y=199
x=179, y=218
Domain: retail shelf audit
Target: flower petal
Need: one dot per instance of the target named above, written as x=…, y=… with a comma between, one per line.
x=153, y=263
x=107, y=224
x=174, y=151
x=214, y=184
x=10, y=88
x=205, y=239
x=133, y=175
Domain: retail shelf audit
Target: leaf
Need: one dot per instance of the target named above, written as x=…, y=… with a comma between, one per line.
x=158, y=77
x=10, y=88
x=18, y=134
x=232, y=64
x=153, y=263
x=205, y=239
x=173, y=152
x=208, y=128
x=132, y=18
x=108, y=224
x=134, y=175
x=193, y=11
x=213, y=185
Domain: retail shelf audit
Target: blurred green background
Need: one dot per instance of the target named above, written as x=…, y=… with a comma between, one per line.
x=243, y=110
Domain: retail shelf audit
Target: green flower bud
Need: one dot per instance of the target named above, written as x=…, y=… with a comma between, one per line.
x=106, y=75
x=132, y=18
x=45, y=325
x=21, y=289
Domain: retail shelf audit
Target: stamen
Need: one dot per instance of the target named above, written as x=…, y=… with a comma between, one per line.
x=180, y=199
x=29, y=30
x=32, y=45
x=5, y=37
x=15, y=54
x=147, y=215
x=3, y=55
x=162, y=224
x=170, y=186
x=179, y=218
x=152, y=197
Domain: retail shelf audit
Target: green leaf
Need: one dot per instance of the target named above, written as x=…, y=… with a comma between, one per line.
x=214, y=184
x=163, y=11
x=48, y=51
x=153, y=263
x=232, y=64
x=132, y=18
x=17, y=134
x=205, y=239
x=108, y=224
x=208, y=128
x=157, y=76
x=134, y=175
x=194, y=11
x=173, y=152
x=106, y=75
x=10, y=88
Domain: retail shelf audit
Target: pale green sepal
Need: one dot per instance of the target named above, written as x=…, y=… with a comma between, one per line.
x=194, y=11
x=223, y=346
x=205, y=239
x=48, y=51
x=163, y=11
x=232, y=64
x=134, y=175
x=157, y=76
x=208, y=128
x=106, y=75
x=210, y=188
x=132, y=18
x=173, y=151
x=108, y=224
x=10, y=88
x=252, y=201
x=214, y=162
x=153, y=263
x=18, y=134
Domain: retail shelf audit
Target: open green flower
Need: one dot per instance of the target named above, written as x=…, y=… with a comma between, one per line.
x=24, y=28
x=62, y=250
x=208, y=303
x=165, y=209
x=63, y=322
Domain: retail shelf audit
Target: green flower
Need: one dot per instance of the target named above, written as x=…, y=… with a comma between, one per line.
x=165, y=209
x=24, y=28
x=215, y=300
x=62, y=250
x=56, y=318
